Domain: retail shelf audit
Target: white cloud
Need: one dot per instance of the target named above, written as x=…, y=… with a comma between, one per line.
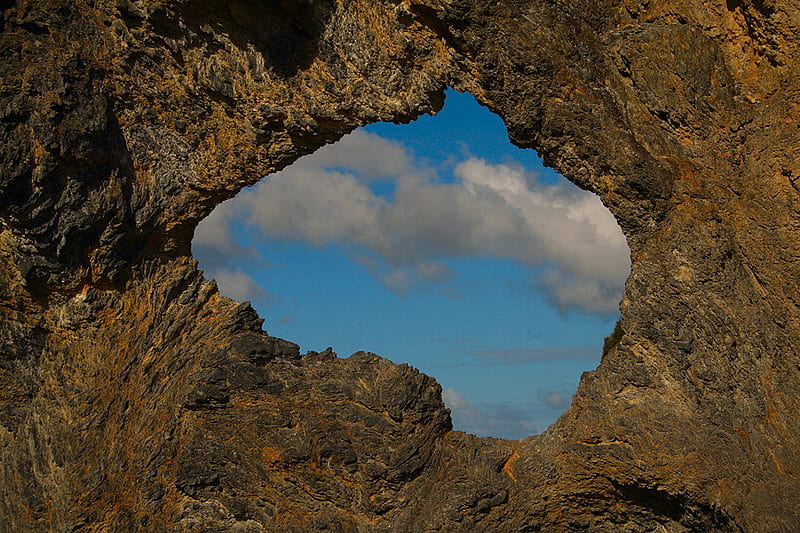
x=363, y=153
x=397, y=280
x=213, y=240
x=510, y=420
x=587, y=293
x=490, y=210
x=238, y=285
x=502, y=420
x=555, y=399
x=401, y=278
x=562, y=224
x=311, y=204
x=453, y=399
x=223, y=258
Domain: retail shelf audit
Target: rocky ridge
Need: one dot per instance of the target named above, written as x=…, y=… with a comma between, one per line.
x=133, y=397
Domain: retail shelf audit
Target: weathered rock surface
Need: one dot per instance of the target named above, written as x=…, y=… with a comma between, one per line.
x=133, y=397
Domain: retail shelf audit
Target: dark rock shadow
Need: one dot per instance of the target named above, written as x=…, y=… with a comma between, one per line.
x=287, y=32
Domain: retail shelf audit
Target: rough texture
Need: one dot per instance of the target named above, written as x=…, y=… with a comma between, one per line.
x=133, y=397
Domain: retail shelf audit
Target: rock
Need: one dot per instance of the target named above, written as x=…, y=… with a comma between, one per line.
x=134, y=397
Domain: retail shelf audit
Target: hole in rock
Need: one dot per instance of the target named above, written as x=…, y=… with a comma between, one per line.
x=437, y=244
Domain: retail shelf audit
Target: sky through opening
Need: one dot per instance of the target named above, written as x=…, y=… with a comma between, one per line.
x=437, y=244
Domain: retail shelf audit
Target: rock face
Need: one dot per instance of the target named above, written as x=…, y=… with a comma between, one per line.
x=133, y=397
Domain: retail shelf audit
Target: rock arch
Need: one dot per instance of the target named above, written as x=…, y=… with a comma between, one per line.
x=134, y=396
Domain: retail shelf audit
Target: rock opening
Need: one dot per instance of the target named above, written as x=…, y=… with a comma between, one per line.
x=436, y=244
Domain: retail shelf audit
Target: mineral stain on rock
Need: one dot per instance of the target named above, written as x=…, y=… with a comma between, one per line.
x=133, y=397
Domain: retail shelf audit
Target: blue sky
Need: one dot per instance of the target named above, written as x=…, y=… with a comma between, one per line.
x=437, y=244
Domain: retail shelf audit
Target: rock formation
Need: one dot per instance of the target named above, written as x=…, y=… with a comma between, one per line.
x=133, y=397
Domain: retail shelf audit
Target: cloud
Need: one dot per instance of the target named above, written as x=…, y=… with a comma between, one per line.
x=369, y=155
x=561, y=223
x=502, y=420
x=285, y=320
x=514, y=356
x=566, y=290
x=453, y=399
x=239, y=286
x=319, y=206
x=403, y=237
x=223, y=258
x=509, y=420
x=555, y=399
x=213, y=240
x=400, y=279
x=397, y=281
